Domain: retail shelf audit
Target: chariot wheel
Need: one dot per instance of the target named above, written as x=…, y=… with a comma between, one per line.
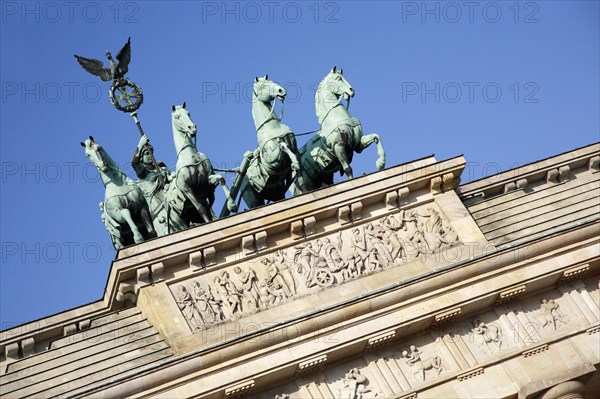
x=126, y=96
x=324, y=278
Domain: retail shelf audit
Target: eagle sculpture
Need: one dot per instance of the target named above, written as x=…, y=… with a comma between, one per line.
x=115, y=71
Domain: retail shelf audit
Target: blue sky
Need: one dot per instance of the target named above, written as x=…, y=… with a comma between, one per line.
x=504, y=83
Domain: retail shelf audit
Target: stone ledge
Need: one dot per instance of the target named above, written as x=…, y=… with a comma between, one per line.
x=533, y=172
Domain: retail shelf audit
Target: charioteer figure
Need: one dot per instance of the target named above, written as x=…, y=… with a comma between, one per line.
x=154, y=181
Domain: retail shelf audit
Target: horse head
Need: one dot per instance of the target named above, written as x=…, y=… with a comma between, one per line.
x=336, y=84
x=266, y=90
x=96, y=154
x=182, y=121
x=330, y=92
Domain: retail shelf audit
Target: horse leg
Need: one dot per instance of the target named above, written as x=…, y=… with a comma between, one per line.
x=197, y=203
x=340, y=152
x=137, y=236
x=178, y=223
x=250, y=196
x=293, y=158
x=145, y=215
x=437, y=363
x=218, y=179
x=366, y=141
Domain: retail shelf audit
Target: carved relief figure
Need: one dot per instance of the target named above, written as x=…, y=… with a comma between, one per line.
x=359, y=250
x=249, y=283
x=228, y=294
x=551, y=314
x=306, y=256
x=414, y=359
x=380, y=256
x=275, y=280
x=487, y=334
x=354, y=386
x=207, y=305
x=337, y=265
x=389, y=227
x=270, y=296
x=186, y=305
x=285, y=270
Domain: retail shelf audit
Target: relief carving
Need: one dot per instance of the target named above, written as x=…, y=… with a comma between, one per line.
x=229, y=294
x=209, y=307
x=186, y=305
x=249, y=283
x=551, y=315
x=413, y=358
x=354, y=386
x=487, y=335
x=312, y=265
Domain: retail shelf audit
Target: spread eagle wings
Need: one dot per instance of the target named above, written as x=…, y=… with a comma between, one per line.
x=96, y=67
x=124, y=56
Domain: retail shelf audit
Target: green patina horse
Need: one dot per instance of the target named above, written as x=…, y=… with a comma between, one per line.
x=124, y=204
x=332, y=148
x=192, y=190
x=266, y=173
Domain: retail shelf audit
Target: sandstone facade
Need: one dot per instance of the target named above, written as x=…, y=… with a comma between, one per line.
x=397, y=284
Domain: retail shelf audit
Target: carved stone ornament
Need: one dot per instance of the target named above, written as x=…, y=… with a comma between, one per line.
x=412, y=357
x=487, y=336
x=354, y=385
x=314, y=264
x=551, y=316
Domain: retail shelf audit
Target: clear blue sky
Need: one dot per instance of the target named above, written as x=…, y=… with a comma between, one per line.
x=503, y=83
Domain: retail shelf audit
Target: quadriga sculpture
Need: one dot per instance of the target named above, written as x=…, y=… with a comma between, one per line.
x=267, y=173
x=192, y=189
x=332, y=148
x=124, y=207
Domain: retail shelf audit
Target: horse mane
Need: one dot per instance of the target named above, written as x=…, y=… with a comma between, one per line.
x=113, y=165
x=319, y=107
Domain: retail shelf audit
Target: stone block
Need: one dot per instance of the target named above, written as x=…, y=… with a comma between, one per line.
x=248, y=245
x=310, y=224
x=261, y=240
x=391, y=200
x=344, y=215
x=209, y=255
x=142, y=277
x=296, y=230
x=356, y=210
x=158, y=272
x=195, y=260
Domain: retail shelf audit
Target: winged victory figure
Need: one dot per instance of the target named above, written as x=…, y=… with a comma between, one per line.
x=115, y=71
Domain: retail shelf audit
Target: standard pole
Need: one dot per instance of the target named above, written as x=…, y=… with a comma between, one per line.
x=158, y=172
